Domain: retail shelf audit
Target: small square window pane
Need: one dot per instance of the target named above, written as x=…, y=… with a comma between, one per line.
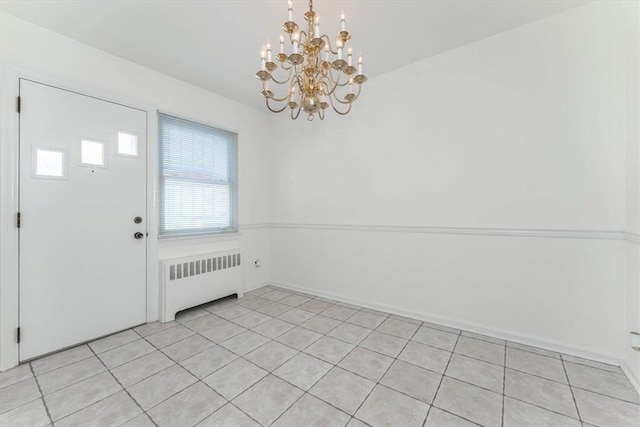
x=49, y=163
x=127, y=144
x=92, y=153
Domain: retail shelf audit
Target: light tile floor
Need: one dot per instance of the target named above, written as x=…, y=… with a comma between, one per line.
x=282, y=358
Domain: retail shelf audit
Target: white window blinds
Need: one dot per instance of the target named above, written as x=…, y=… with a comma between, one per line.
x=198, y=188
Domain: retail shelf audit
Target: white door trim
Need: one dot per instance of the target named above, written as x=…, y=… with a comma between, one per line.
x=9, y=187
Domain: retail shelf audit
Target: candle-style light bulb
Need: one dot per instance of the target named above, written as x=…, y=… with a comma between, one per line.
x=281, y=44
x=360, y=64
x=262, y=59
x=268, y=51
x=339, y=45
x=343, y=25
x=290, y=11
x=349, y=56
x=351, y=85
x=296, y=37
x=326, y=52
x=317, y=27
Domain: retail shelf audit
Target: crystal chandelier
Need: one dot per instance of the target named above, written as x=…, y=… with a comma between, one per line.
x=313, y=81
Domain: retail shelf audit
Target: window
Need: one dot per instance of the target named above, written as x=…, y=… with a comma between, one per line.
x=127, y=144
x=49, y=163
x=198, y=184
x=92, y=153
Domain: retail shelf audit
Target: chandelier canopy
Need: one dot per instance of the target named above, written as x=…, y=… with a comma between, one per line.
x=314, y=74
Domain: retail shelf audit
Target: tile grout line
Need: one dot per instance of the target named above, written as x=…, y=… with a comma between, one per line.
x=504, y=382
x=433, y=401
x=573, y=396
x=123, y=388
x=44, y=402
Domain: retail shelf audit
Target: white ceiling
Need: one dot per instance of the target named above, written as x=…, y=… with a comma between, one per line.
x=215, y=44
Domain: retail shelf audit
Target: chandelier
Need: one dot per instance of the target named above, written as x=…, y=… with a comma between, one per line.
x=314, y=74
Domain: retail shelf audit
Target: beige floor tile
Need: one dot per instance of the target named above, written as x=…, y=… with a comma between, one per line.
x=386, y=344
x=411, y=380
x=158, y=387
x=541, y=392
x=532, y=363
x=366, y=363
x=476, y=372
x=228, y=416
x=518, y=414
x=303, y=371
x=468, y=401
x=481, y=350
x=310, y=411
x=387, y=407
x=18, y=394
x=271, y=355
x=425, y=356
x=343, y=389
x=188, y=407
x=235, y=378
x=112, y=411
x=268, y=399
x=80, y=395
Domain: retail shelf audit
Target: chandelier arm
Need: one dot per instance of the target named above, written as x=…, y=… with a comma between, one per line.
x=349, y=102
x=306, y=38
x=275, y=111
x=324, y=36
x=283, y=81
x=338, y=111
x=280, y=99
x=297, y=113
x=285, y=65
x=330, y=91
x=335, y=83
x=340, y=74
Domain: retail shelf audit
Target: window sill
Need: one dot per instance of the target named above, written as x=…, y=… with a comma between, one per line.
x=197, y=238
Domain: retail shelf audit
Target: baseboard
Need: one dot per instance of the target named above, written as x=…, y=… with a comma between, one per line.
x=261, y=285
x=466, y=326
x=633, y=373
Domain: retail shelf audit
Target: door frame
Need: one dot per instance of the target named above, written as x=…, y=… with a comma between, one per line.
x=9, y=198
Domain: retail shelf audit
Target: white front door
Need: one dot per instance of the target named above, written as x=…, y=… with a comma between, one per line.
x=82, y=185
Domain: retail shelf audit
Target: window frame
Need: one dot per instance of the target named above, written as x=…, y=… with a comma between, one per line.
x=232, y=183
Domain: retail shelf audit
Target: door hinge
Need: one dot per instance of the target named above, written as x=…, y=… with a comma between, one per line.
x=18, y=220
x=19, y=104
x=18, y=335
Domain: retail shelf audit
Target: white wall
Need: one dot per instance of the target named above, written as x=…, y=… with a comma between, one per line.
x=632, y=358
x=484, y=188
x=33, y=51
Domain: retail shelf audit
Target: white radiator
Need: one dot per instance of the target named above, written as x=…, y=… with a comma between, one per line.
x=197, y=279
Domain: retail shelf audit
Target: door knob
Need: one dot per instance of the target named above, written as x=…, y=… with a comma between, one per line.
x=138, y=235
